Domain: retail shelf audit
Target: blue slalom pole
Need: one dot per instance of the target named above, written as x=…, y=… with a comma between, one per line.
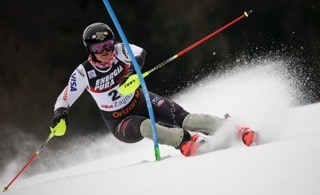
x=138, y=71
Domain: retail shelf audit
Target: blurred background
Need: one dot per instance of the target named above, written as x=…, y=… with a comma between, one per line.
x=42, y=45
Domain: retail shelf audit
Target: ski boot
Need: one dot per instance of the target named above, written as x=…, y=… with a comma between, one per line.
x=189, y=148
x=247, y=135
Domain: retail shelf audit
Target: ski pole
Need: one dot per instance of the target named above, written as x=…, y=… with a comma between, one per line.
x=133, y=83
x=59, y=130
x=27, y=164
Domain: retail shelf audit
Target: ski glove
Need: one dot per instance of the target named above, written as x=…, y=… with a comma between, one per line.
x=125, y=78
x=59, y=122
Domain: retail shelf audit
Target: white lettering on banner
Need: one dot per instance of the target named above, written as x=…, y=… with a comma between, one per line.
x=108, y=80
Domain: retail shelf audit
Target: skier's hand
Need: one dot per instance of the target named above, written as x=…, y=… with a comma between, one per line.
x=125, y=78
x=59, y=122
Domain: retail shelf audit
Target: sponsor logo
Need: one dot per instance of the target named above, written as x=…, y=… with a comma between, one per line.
x=106, y=106
x=123, y=101
x=157, y=101
x=100, y=35
x=173, y=112
x=124, y=51
x=91, y=74
x=65, y=94
x=73, y=82
x=130, y=83
x=108, y=80
x=126, y=110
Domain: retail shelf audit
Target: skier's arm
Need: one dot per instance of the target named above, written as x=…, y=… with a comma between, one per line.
x=140, y=55
x=138, y=52
x=76, y=85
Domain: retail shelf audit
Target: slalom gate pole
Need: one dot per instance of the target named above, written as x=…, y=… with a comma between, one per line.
x=29, y=161
x=133, y=83
x=140, y=77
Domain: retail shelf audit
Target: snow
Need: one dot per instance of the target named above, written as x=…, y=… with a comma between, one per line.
x=262, y=96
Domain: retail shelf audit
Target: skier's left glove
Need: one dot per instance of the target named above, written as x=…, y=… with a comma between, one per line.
x=58, y=125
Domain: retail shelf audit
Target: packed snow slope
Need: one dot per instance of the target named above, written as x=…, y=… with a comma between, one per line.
x=262, y=96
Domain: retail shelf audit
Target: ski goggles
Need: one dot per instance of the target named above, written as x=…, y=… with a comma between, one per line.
x=98, y=48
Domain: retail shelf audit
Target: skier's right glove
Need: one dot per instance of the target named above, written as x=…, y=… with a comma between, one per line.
x=59, y=122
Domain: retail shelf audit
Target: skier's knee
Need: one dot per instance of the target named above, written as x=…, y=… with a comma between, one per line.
x=202, y=122
x=168, y=136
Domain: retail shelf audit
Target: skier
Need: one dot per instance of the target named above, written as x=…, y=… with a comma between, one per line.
x=126, y=116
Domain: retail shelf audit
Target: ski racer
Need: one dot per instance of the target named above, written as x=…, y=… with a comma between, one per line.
x=126, y=116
